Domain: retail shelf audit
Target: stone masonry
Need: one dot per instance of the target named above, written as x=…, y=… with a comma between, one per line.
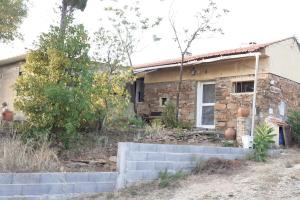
x=187, y=106
x=274, y=94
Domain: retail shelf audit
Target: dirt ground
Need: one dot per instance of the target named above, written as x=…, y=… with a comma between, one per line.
x=278, y=178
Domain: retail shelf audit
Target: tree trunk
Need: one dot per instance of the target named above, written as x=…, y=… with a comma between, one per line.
x=63, y=17
x=179, y=87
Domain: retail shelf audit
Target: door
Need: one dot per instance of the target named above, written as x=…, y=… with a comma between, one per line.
x=206, y=97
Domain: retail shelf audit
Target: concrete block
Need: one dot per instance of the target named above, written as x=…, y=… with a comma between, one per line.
x=73, y=177
x=6, y=178
x=155, y=156
x=137, y=156
x=103, y=177
x=93, y=187
x=53, y=178
x=26, y=178
x=9, y=190
x=140, y=165
x=61, y=188
x=35, y=189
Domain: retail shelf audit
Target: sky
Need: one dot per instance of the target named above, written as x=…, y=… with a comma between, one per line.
x=257, y=21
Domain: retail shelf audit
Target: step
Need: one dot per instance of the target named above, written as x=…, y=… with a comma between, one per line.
x=42, y=197
x=59, y=177
x=140, y=147
x=184, y=157
x=56, y=188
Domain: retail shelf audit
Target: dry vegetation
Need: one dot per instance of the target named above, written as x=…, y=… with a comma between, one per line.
x=17, y=156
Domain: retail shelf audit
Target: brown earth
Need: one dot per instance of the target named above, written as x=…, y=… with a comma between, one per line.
x=98, y=152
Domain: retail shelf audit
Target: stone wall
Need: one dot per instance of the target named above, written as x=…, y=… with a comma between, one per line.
x=273, y=92
x=155, y=91
x=227, y=103
x=276, y=93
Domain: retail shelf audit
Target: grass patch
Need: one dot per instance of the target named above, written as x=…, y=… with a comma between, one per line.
x=167, y=179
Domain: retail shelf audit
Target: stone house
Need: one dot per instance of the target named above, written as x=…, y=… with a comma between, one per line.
x=216, y=84
x=10, y=69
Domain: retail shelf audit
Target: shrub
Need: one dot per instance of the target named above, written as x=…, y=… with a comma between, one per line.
x=155, y=128
x=262, y=141
x=169, y=116
x=294, y=122
x=137, y=122
x=55, y=88
x=166, y=179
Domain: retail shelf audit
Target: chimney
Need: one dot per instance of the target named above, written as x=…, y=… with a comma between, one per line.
x=252, y=43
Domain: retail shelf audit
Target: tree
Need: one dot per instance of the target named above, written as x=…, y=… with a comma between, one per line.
x=205, y=24
x=115, y=46
x=55, y=89
x=118, y=42
x=67, y=9
x=12, y=13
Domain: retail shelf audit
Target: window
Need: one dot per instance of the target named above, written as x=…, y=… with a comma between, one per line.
x=140, y=86
x=163, y=101
x=242, y=87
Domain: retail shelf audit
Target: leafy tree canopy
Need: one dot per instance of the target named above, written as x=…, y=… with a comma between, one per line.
x=12, y=13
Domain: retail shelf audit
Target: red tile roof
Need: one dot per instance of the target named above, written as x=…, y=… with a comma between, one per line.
x=242, y=50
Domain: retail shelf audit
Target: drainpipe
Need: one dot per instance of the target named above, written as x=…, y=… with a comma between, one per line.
x=254, y=93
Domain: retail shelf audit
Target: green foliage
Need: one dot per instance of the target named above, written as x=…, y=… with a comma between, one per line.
x=56, y=86
x=294, y=122
x=167, y=179
x=12, y=13
x=262, y=141
x=169, y=115
x=229, y=143
x=137, y=122
x=169, y=118
x=110, y=97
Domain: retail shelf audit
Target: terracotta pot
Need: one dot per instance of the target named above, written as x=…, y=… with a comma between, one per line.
x=243, y=112
x=230, y=134
x=7, y=116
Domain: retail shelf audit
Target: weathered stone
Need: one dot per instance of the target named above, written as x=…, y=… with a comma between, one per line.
x=220, y=106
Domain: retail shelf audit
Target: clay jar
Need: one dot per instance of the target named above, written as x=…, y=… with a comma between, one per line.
x=243, y=112
x=230, y=133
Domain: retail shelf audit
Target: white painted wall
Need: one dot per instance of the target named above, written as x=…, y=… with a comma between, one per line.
x=284, y=59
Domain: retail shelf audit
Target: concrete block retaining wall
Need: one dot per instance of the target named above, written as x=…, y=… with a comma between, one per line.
x=136, y=162
x=142, y=162
x=60, y=185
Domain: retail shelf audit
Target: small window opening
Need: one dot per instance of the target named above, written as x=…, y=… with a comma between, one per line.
x=242, y=87
x=164, y=101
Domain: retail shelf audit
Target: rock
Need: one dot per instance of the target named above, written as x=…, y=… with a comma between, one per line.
x=113, y=159
x=220, y=106
x=97, y=162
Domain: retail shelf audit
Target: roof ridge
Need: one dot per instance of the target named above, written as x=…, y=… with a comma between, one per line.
x=232, y=51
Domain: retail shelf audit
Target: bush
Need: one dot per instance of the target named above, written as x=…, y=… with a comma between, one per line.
x=55, y=89
x=294, y=122
x=262, y=141
x=169, y=116
x=166, y=179
x=137, y=122
x=155, y=128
